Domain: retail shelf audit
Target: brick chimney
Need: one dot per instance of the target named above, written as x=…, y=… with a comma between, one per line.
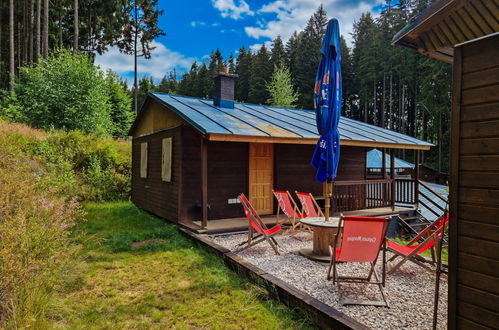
x=223, y=95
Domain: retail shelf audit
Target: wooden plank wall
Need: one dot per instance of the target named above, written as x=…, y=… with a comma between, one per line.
x=228, y=164
x=191, y=196
x=293, y=170
x=152, y=193
x=474, y=190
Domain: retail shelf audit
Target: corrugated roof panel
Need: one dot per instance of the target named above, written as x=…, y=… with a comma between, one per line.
x=264, y=121
x=298, y=127
x=375, y=160
x=232, y=124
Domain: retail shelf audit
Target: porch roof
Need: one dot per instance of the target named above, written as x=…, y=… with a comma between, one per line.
x=260, y=123
x=375, y=160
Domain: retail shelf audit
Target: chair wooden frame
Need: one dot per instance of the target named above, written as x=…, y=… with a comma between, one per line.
x=360, y=279
x=296, y=226
x=303, y=207
x=414, y=256
x=255, y=223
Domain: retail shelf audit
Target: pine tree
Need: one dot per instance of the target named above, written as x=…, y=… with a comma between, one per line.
x=231, y=65
x=243, y=70
x=261, y=71
x=308, y=56
x=278, y=53
x=280, y=88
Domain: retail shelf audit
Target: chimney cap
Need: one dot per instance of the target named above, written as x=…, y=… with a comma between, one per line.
x=225, y=74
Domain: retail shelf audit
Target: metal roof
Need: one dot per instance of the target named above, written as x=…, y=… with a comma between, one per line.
x=262, y=121
x=375, y=160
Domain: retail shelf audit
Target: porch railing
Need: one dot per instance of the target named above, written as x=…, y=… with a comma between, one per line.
x=369, y=194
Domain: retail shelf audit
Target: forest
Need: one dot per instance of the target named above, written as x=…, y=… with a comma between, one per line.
x=388, y=86
x=384, y=85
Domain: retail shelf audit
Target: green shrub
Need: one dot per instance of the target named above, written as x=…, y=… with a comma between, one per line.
x=89, y=167
x=65, y=91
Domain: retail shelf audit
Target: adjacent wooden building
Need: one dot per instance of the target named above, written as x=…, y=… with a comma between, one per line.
x=192, y=157
x=466, y=34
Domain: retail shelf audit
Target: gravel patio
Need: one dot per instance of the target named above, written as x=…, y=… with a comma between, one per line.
x=409, y=291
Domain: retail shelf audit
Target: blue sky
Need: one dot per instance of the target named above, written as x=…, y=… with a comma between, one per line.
x=194, y=28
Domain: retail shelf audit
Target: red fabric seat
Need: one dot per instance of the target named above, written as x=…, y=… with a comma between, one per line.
x=309, y=206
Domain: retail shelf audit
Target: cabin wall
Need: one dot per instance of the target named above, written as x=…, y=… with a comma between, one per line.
x=474, y=187
x=152, y=193
x=293, y=170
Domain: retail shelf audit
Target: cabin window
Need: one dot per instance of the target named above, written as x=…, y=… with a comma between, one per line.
x=143, y=160
x=166, y=160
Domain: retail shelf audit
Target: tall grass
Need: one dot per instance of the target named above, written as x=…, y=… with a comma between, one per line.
x=43, y=177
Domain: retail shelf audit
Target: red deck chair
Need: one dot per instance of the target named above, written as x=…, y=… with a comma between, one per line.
x=410, y=252
x=288, y=206
x=309, y=206
x=362, y=238
x=257, y=225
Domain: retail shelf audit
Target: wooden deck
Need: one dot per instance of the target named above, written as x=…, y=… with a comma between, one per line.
x=241, y=224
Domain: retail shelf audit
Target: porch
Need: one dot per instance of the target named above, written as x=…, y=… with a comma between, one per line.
x=233, y=225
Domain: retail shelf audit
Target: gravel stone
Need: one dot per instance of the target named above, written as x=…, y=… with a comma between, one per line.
x=409, y=291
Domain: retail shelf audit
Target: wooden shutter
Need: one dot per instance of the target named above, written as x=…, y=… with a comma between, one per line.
x=166, y=160
x=143, y=160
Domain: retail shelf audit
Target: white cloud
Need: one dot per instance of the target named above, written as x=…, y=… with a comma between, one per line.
x=293, y=15
x=256, y=47
x=198, y=23
x=162, y=61
x=234, y=9
x=214, y=24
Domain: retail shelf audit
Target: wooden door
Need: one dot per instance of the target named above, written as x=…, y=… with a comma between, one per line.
x=261, y=177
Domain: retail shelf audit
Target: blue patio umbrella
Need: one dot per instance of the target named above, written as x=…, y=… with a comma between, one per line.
x=327, y=99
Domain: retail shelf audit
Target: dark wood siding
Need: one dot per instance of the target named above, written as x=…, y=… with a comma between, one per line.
x=191, y=175
x=152, y=193
x=474, y=193
x=227, y=177
x=293, y=170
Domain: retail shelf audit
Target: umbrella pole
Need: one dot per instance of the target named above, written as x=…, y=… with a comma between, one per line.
x=327, y=204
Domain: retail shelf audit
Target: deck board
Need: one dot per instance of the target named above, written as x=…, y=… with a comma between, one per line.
x=241, y=224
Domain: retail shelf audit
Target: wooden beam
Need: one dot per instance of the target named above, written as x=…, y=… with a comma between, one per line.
x=204, y=182
x=416, y=175
x=353, y=143
x=454, y=186
x=392, y=177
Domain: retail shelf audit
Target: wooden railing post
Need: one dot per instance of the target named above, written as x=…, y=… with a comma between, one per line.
x=392, y=177
x=416, y=177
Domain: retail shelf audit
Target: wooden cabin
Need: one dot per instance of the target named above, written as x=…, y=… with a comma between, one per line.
x=466, y=34
x=192, y=157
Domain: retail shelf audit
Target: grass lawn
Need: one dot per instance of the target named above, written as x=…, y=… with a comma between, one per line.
x=137, y=271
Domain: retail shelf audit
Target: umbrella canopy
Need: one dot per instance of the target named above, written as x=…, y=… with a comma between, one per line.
x=327, y=99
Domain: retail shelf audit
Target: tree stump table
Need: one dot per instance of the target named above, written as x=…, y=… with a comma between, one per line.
x=324, y=232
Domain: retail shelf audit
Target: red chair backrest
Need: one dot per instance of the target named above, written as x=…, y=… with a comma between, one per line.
x=307, y=204
x=285, y=203
x=362, y=238
x=253, y=217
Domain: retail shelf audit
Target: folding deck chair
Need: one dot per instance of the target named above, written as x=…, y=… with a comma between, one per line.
x=362, y=238
x=287, y=205
x=431, y=235
x=257, y=225
x=309, y=206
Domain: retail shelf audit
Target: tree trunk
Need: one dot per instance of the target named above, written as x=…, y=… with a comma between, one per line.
x=45, y=41
x=76, y=27
x=30, y=33
x=38, y=28
x=391, y=101
x=11, y=44
x=375, y=111
x=135, y=87
x=365, y=106
x=383, y=108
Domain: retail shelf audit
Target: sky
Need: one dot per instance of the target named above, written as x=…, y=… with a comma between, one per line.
x=195, y=28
